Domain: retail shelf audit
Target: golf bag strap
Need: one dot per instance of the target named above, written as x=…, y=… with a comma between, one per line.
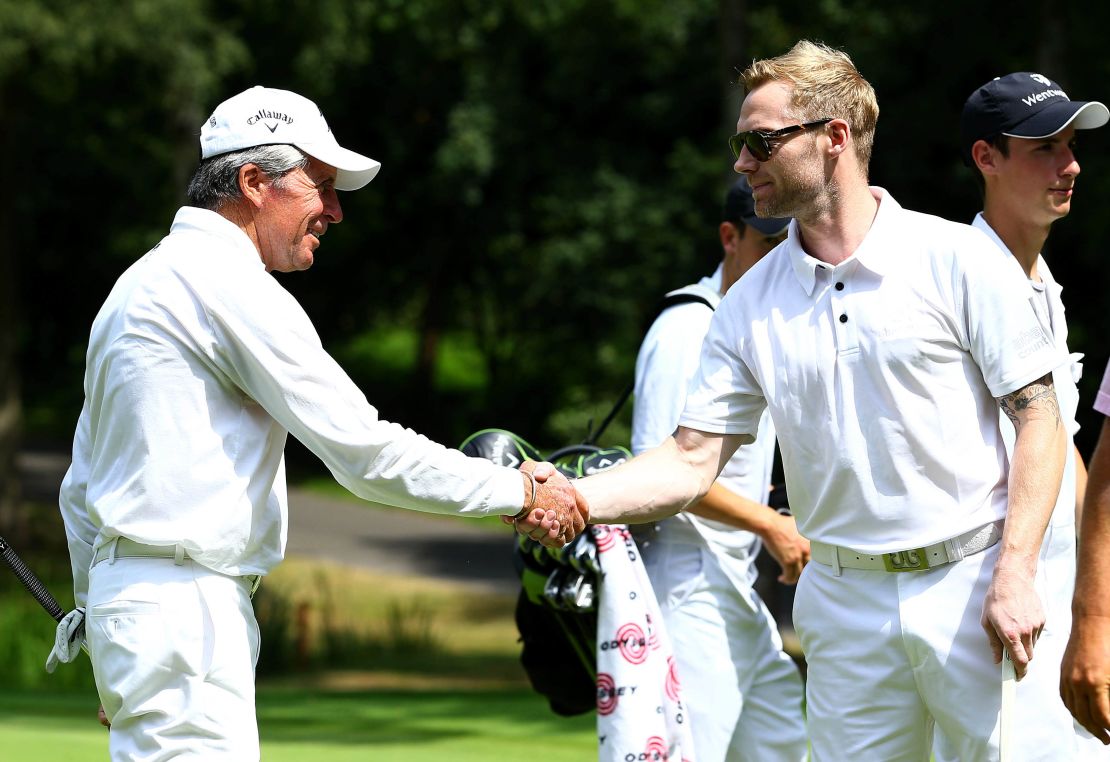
x=694, y=294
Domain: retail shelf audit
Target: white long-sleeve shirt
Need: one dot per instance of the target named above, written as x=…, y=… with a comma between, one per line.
x=199, y=365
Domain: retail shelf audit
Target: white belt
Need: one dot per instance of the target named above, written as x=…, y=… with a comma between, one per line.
x=913, y=559
x=121, y=547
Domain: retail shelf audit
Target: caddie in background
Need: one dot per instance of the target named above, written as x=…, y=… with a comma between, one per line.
x=884, y=343
x=1018, y=133
x=199, y=365
x=743, y=693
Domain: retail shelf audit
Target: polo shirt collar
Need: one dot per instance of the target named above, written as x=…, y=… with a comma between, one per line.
x=1050, y=284
x=981, y=222
x=196, y=220
x=713, y=282
x=873, y=253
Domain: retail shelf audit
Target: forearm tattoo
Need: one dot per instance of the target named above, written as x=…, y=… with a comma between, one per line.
x=1040, y=394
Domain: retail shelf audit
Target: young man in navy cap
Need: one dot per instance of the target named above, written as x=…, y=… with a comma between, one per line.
x=1019, y=134
x=744, y=694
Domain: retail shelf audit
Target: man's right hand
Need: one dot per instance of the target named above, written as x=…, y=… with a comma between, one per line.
x=1085, y=675
x=559, y=513
x=786, y=546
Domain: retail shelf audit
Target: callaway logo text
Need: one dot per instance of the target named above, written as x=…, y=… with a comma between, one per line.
x=275, y=116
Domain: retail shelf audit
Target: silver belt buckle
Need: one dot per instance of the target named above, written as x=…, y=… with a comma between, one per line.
x=915, y=559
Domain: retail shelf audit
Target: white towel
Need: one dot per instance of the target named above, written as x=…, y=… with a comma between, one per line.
x=639, y=703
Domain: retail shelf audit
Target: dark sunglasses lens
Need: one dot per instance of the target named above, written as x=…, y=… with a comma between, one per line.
x=757, y=146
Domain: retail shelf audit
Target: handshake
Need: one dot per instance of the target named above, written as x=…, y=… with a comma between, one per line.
x=554, y=511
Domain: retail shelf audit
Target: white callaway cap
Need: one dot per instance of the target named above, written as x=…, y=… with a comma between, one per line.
x=264, y=116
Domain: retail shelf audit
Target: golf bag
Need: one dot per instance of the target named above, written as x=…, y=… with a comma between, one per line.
x=556, y=610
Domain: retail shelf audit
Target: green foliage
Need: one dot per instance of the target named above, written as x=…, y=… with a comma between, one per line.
x=26, y=637
x=27, y=633
x=549, y=168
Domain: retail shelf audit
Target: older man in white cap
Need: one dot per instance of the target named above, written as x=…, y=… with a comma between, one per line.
x=199, y=365
x=1019, y=134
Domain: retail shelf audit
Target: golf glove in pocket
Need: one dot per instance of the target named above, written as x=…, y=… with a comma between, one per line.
x=68, y=639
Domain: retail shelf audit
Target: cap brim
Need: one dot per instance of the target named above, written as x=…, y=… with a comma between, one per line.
x=1083, y=115
x=353, y=169
x=769, y=226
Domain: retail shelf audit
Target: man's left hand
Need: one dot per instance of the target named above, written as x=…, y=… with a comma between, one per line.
x=69, y=636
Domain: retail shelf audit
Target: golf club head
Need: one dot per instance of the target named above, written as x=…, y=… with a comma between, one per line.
x=581, y=554
x=577, y=592
x=603, y=459
x=566, y=458
x=553, y=589
x=499, y=446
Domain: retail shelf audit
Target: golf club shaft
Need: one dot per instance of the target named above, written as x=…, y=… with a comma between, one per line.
x=30, y=581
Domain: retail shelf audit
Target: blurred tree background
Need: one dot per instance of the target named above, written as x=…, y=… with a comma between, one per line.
x=550, y=168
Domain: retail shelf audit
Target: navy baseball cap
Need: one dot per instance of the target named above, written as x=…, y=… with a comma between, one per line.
x=740, y=207
x=1024, y=105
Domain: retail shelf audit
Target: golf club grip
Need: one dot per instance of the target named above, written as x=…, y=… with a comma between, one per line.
x=30, y=581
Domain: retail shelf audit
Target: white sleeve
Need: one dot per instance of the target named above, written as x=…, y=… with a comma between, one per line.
x=724, y=396
x=1002, y=330
x=267, y=347
x=667, y=360
x=80, y=531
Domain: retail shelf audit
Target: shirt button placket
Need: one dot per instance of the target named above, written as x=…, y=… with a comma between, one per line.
x=847, y=339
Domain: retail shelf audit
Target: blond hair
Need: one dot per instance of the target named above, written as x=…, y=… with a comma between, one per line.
x=825, y=84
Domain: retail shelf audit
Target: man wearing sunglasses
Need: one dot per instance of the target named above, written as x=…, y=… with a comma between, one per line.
x=1018, y=133
x=883, y=342
x=742, y=691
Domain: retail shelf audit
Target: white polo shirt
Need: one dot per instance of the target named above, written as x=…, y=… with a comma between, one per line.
x=199, y=364
x=1046, y=301
x=665, y=364
x=881, y=375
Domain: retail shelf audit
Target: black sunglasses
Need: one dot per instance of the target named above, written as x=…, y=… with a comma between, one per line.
x=760, y=144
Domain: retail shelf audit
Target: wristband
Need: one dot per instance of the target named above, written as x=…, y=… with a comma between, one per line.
x=531, y=502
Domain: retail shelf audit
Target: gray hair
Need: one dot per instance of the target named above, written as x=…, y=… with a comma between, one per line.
x=216, y=180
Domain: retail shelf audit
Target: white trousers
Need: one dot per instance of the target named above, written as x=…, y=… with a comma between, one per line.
x=173, y=650
x=743, y=693
x=898, y=661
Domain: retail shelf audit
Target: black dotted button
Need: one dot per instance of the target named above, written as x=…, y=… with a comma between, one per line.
x=843, y=318
x=839, y=286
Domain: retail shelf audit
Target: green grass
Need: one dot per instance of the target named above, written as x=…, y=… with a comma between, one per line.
x=406, y=669
x=304, y=725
